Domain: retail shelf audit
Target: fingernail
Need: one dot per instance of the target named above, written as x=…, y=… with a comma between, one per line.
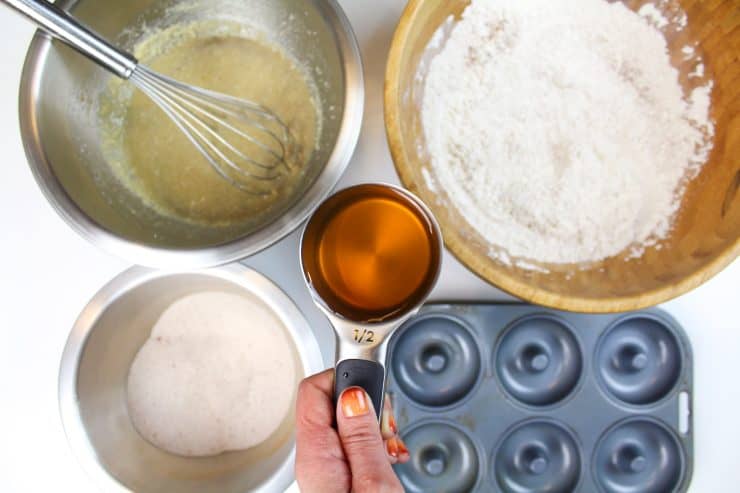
x=402, y=450
x=396, y=447
x=388, y=423
x=354, y=402
x=392, y=447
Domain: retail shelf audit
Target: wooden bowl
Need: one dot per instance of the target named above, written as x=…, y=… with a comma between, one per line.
x=706, y=235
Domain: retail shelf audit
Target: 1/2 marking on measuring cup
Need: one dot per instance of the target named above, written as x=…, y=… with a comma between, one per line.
x=364, y=336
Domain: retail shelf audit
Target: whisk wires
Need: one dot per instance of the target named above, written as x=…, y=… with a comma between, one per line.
x=245, y=143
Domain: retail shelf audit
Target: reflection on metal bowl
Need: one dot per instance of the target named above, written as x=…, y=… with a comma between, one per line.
x=94, y=371
x=63, y=140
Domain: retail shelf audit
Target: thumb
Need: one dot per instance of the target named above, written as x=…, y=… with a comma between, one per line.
x=359, y=432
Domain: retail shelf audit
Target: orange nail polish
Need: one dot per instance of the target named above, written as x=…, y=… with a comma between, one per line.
x=393, y=448
x=402, y=448
x=392, y=424
x=354, y=402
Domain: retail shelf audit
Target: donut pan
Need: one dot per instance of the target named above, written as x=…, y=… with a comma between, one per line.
x=521, y=399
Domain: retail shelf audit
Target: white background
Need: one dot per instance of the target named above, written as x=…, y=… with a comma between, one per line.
x=47, y=274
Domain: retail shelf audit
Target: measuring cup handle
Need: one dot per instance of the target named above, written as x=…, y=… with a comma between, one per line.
x=369, y=375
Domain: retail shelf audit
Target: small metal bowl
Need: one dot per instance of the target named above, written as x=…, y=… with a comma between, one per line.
x=60, y=126
x=94, y=371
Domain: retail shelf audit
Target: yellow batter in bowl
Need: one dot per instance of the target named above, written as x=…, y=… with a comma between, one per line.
x=157, y=162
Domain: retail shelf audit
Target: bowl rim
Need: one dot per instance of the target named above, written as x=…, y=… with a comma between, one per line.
x=242, y=247
x=251, y=281
x=458, y=246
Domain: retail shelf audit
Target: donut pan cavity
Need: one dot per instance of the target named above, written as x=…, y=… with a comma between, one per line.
x=517, y=398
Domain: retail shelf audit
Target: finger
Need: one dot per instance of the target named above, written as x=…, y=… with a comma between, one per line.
x=319, y=458
x=391, y=459
x=315, y=399
x=394, y=446
x=397, y=451
x=388, y=427
x=363, y=445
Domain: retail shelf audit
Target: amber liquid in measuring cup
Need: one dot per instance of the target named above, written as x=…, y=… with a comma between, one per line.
x=371, y=253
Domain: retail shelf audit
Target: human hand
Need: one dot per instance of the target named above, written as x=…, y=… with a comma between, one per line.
x=357, y=455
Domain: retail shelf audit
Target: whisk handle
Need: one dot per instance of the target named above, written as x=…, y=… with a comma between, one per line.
x=66, y=28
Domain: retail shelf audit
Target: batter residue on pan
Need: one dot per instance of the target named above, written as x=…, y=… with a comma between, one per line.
x=155, y=159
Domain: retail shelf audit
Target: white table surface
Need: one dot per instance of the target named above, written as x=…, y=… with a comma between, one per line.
x=48, y=274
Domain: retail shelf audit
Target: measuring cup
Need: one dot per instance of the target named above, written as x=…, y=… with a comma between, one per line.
x=363, y=331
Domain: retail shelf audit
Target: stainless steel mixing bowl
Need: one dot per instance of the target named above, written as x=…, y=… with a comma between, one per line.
x=92, y=387
x=60, y=129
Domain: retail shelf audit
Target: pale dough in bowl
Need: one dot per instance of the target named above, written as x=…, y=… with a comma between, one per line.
x=218, y=373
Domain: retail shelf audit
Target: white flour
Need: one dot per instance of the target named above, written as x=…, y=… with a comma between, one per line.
x=559, y=130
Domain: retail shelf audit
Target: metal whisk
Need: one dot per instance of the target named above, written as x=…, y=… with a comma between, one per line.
x=246, y=143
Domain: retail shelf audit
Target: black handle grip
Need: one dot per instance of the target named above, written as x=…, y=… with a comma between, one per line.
x=366, y=374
